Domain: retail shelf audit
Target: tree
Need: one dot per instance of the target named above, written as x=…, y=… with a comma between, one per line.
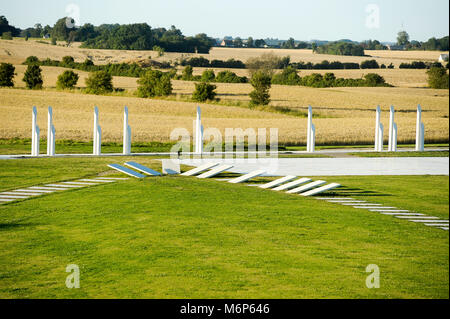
x=208, y=76
x=370, y=64
x=238, y=42
x=438, y=78
x=402, y=38
x=7, y=35
x=261, y=82
x=68, y=61
x=260, y=43
x=154, y=83
x=373, y=79
x=67, y=80
x=314, y=47
x=33, y=77
x=60, y=30
x=187, y=73
x=289, y=44
x=6, y=74
x=203, y=92
x=250, y=43
x=99, y=82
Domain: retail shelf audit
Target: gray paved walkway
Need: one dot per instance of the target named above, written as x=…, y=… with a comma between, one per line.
x=337, y=166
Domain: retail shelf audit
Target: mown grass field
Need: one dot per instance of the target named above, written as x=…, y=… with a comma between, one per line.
x=344, y=115
x=175, y=237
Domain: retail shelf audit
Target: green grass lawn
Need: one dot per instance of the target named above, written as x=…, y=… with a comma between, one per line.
x=180, y=237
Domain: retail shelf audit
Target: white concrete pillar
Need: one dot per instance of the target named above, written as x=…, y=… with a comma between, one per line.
x=422, y=137
x=418, y=128
x=309, y=129
x=313, y=138
x=52, y=143
x=126, y=133
x=394, y=138
x=380, y=137
x=198, y=132
x=98, y=150
x=95, y=138
x=36, y=139
x=391, y=129
x=49, y=131
x=33, y=130
x=377, y=126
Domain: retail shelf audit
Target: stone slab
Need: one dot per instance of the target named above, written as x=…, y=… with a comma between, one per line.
x=200, y=169
x=278, y=182
x=171, y=167
x=13, y=197
x=247, y=177
x=292, y=184
x=143, y=169
x=306, y=187
x=40, y=191
x=389, y=210
x=126, y=170
x=321, y=189
x=215, y=171
x=48, y=188
x=403, y=214
x=19, y=193
x=63, y=185
x=95, y=180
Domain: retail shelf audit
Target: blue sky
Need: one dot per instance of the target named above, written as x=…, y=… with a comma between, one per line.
x=302, y=20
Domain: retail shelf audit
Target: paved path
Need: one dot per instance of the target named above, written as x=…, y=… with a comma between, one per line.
x=336, y=166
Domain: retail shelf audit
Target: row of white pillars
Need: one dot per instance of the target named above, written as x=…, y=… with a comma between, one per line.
x=35, y=134
x=35, y=131
x=393, y=131
x=97, y=138
x=311, y=133
x=198, y=143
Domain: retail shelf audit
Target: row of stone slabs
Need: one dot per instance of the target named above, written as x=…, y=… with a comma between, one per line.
x=302, y=186
x=35, y=191
x=403, y=214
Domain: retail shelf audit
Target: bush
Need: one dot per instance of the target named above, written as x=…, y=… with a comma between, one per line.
x=99, y=82
x=413, y=65
x=341, y=48
x=370, y=64
x=261, y=82
x=187, y=73
x=67, y=80
x=7, y=36
x=203, y=92
x=208, y=76
x=6, y=74
x=373, y=79
x=53, y=41
x=154, y=83
x=67, y=61
x=31, y=60
x=438, y=78
x=33, y=77
x=289, y=76
x=229, y=77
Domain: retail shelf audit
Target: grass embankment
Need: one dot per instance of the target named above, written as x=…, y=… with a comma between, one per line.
x=182, y=237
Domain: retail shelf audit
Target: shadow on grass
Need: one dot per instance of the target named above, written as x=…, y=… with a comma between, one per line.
x=8, y=226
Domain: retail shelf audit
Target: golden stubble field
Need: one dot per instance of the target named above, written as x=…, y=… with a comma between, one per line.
x=346, y=115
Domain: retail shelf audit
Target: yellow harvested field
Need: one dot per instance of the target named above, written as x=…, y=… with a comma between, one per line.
x=345, y=115
x=153, y=120
x=18, y=50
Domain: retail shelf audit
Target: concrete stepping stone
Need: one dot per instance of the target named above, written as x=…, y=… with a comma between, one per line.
x=403, y=214
x=13, y=197
x=389, y=210
x=215, y=171
x=373, y=207
x=95, y=181
x=278, y=182
x=223, y=179
x=48, y=188
x=437, y=225
x=39, y=191
x=199, y=169
x=171, y=167
x=362, y=204
x=143, y=169
x=113, y=178
x=343, y=202
x=63, y=185
x=79, y=183
x=415, y=217
x=125, y=170
x=444, y=228
x=292, y=184
x=247, y=177
x=439, y=221
x=321, y=189
x=334, y=198
x=306, y=187
x=6, y=200
x=19, y=193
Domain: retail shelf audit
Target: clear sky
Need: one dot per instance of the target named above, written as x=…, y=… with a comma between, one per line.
x=303, y=20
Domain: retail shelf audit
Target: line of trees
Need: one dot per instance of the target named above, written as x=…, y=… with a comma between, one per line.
x=340, y=48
